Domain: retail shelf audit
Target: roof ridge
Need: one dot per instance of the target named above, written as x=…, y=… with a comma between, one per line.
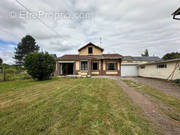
x=92, y=45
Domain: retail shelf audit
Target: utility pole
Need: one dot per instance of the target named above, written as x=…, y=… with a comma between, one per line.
x=100, y=40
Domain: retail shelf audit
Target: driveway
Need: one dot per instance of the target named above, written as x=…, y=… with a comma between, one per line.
x=161, y=85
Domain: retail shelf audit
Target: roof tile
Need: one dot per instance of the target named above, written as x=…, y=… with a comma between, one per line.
x=81, y=57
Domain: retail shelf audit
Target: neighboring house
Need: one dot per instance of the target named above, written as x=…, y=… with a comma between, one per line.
x=176, y=13
x=130, y=63
x=167, y=69
x=54, y=56
x=89, y=61
x=139, y=60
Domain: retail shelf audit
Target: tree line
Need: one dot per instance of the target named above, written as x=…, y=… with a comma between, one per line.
x=168, y=56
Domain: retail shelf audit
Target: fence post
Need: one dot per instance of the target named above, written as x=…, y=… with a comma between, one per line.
x=4, y=76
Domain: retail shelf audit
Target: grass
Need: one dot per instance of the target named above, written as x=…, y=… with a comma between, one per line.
x=168, y=104
x=69, y=106
x=19, y=84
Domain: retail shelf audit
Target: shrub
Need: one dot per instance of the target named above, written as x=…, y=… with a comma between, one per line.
x=40, y=65
x=176, y=81
x=10, y=74
x=1, y=61
x=26, y=76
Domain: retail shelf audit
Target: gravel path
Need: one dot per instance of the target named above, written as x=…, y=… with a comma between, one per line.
x=161, y=85
x=166, y=125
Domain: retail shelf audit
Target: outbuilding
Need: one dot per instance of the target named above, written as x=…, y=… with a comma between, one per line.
x=165, y=69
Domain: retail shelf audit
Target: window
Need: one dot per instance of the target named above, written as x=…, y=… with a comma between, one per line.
x=111, y=66
x=84, y=65
x=94, y=65
x=90, y=50
x=161, y=65
x=142, y=67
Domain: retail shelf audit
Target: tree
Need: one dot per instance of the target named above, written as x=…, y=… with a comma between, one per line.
x=26, y=46
x=146, y=53
x=172, y=55
x=1, y=61
x=40, y=65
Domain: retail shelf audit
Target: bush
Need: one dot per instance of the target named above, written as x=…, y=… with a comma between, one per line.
x=26, y=76
x=10, y=74
x=40, y=65
x=176, y=81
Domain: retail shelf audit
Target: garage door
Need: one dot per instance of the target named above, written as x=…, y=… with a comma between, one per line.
x=129, y=70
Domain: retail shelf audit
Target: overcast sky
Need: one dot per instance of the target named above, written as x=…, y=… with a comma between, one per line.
x=126, y=27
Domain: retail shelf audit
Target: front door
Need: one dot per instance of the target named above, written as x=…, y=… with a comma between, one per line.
x=67, y=68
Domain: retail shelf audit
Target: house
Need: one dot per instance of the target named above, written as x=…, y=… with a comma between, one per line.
x=90, y=61
x=54, y=56
x=164, y=69
x=130, y=63
x=139, y=60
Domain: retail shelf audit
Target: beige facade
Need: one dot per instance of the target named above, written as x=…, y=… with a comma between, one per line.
x=96, y=51
x=100, y=71
x=163, y=70
x=77, y=65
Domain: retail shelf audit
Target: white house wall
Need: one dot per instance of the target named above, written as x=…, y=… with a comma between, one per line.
x=162, y=73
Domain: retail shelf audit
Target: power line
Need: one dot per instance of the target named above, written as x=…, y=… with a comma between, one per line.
x=42, y=22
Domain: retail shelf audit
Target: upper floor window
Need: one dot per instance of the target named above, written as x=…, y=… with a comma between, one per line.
x=84, y=65
x=111, y=66
x=90, y=50
x=161, y=65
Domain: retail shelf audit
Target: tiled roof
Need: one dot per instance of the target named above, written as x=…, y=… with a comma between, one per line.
x=162, y=61
x=69, y=57
x=112, y=56
x=85, y=57
x=149, y=58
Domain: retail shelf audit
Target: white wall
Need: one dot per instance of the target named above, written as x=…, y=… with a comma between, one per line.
x=162, y=73
x=129, y=70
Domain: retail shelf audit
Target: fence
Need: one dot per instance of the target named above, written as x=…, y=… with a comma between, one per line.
x=2, y=73
x=8, y=73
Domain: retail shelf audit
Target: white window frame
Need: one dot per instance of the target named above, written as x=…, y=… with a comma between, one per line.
x=161, y=66
x=87, y=65
x=109, y=63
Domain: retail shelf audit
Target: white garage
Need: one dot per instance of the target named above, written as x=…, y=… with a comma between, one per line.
x=129, y=70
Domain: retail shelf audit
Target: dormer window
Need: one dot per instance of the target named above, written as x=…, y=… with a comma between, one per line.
x=90, y=50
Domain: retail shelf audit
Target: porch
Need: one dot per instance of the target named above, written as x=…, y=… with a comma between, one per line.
x=90, y=67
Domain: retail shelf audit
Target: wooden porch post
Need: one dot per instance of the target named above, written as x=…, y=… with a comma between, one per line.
x=101, y=70
x=89, y=67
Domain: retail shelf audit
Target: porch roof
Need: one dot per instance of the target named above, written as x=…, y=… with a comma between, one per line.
x=86, y=57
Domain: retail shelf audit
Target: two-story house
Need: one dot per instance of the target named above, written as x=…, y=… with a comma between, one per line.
x=89, y=61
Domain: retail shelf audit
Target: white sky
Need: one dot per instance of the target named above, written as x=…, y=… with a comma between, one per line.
x=127, y=27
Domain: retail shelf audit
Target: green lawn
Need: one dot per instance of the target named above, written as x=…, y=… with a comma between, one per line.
x=168, y=104
x=69, y=107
